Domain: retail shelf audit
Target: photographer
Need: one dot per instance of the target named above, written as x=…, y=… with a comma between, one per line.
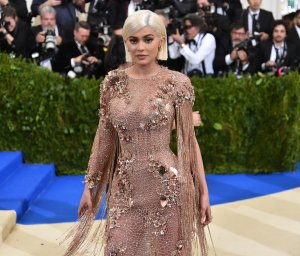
x=257, y=21
x=48, y=36
x=278, y=55
x=67, y=11
x=236, y=54
x=216, y=24
x=294, y=33
x=20, y=7
x=196, y=46
x=15, y=35
x=77, y=55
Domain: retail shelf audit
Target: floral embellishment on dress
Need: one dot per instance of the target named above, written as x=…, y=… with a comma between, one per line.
x=159, y=116
x=183, y=90
x=118, y=84
x=168, y=176
x=125, y=188
x=179, y=247
x=158, y=221
x=124, y=134
x=114, y=215
x=167, y=90
x=92, y=179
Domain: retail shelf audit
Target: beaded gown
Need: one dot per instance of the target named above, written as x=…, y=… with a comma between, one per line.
x=152, y=194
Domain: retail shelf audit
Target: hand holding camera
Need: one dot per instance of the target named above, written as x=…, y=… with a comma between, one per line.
x=264, y=36
x=243, y=56
x=40, y=37
x=177, y=37
x=81, y=59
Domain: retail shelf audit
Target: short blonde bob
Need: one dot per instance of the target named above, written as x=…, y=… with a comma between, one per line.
x=141, y=19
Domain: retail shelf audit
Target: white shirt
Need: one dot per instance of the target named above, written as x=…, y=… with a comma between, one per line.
x=250, y=20
x=298, y=30
x=273, y=54
x=131, y=7
x=204, y=50
x=229, y=61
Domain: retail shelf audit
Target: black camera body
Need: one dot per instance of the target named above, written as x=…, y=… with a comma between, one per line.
x=146, y=5
x=248, y=44
x=89, y=69
x=176, y=22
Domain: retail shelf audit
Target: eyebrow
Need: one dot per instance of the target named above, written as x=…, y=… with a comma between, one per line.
x=135, y=37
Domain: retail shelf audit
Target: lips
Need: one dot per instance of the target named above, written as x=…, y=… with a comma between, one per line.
x=141, y=56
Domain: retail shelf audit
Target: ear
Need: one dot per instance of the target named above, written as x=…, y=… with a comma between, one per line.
x=162, y=41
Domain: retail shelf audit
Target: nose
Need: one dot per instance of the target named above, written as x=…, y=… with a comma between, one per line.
x=140, y=46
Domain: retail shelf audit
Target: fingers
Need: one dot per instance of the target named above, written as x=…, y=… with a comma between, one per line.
x=206, y=216
x=83, y=207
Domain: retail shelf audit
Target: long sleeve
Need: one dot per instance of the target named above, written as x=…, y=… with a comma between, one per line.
x=103, y=145
x=190, y=165
x=206, y=48
x=173, y=49
x=99, y=175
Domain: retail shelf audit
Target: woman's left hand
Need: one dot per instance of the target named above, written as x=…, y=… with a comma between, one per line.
x=205, y=213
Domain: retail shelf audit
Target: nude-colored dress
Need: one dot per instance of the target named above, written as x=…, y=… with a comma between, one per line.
x=153, y=195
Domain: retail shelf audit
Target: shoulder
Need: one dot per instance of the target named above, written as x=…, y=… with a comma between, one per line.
x=178, y=77
x=183, y=87
x=115, y=80
x=209, y=37
x=266, y=13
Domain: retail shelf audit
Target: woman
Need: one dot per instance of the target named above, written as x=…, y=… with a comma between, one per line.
x=157, y=202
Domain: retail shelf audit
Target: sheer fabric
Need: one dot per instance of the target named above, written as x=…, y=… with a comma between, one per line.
x=153, y=195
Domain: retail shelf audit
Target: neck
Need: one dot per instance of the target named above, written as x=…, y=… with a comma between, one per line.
x=144, y=70
x=276, y=43
x=253, y=10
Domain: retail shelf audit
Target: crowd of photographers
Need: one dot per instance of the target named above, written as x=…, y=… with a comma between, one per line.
x=205, y=37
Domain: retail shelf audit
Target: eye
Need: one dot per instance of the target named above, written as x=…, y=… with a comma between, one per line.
x=148, y=40
x=133, y=40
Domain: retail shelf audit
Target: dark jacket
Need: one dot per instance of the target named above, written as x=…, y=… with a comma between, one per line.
x=224, y=48
x=20, y=46
x=21, y=8
x=265, y=20
x=289, y=60
x=293, y=37
x=65, y=14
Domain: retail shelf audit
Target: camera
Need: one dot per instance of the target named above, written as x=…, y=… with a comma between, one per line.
x=146, y=5
x=50, y=42
x=249, y=43
x=176, y=22
x=4, y=23
x=88, y=69
x=101, y=5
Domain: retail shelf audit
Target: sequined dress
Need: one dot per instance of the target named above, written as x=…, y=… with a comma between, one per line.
x=152, y=204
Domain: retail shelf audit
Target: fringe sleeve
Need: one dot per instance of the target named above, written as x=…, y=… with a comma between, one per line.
x=97, y=177
x=192, y=229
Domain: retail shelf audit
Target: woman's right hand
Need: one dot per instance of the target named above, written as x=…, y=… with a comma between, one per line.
x=85, y=202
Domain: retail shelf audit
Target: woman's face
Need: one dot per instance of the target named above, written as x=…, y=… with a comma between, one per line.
x=11, y=23
x=143, y=46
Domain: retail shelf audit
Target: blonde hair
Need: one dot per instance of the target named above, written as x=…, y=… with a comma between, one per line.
x=141, y=19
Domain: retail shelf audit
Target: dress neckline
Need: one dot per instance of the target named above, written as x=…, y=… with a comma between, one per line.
x=152, y=77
